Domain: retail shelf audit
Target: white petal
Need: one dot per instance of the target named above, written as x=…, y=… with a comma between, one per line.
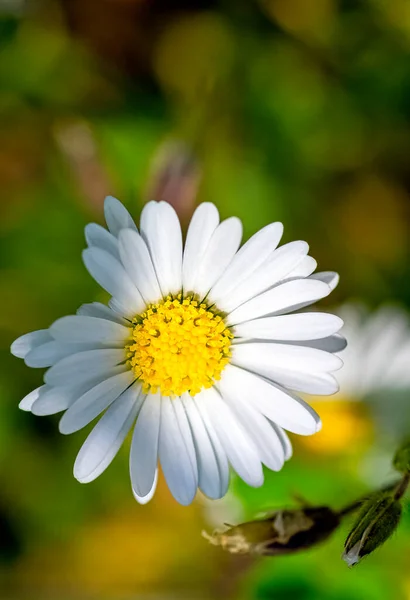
x=144, y=446
x=174, y=457
x=44, y=355
x=246, y=261
x=220, y=454
x=333, y=343
x=318, y=384
x=117, y=216
x=138, y=264
x=208, y=471
x=275, y=268
x=397, y=374
x=372, y=354
x=27, y=402
x=84, y=365
x=53, y=400
x=220, y=251
x=352, y=556
x=283, y=408
x=201, y=228
x=111, y=275
x=79, y=329
x=355, y=356
x=92, y=403
x=146, y=215
x=267, y=442
x=51, y=352
x=56, y=399
x=161, y=230
x=99, y=237
x=107, y=437
x=284, y=440
x=303, y=326
x=329, y=277
x=121, y=310
x=101, y=311
x=240, y=450
x=284, y=298
x=145, y=499
x=304, y=268
x=27, y=342
x=186, y=434
x=266, y=356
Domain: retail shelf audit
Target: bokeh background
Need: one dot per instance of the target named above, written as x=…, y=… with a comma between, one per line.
x=292, y=110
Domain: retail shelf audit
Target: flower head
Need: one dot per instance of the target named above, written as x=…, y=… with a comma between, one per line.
x=197, y=351
x=377, y=357
x=375, y=375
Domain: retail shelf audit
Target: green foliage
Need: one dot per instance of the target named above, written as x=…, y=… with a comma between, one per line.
x=377, y=520
x=295, y=114
x=401, y=460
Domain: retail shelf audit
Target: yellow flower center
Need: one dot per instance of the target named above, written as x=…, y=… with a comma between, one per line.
x=177, y=346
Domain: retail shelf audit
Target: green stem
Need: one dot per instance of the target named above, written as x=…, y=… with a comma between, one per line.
x=402, y=486
x=347, y=510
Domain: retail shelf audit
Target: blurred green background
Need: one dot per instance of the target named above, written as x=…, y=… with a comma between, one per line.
x=296, y=110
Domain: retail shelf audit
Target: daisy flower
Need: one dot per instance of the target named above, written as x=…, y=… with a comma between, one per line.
x=197, y=351
x=376, y=364
x=378, y=356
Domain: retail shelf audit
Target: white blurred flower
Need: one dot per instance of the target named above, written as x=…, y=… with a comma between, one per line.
x=374, y=381
x=377, y=357
x=197, y=351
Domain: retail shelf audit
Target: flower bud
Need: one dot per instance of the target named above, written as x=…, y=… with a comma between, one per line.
x=283, y=532
x=175, y=178
x=401, y=460
x=377, y=520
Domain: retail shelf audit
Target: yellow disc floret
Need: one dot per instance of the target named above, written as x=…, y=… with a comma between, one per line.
x=177, y=346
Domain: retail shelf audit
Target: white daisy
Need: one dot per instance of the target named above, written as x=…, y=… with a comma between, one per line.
x=196, y=351
x=377, y=358
x=374, y=382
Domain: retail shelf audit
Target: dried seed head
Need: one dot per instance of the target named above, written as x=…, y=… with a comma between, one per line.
x=283, y=532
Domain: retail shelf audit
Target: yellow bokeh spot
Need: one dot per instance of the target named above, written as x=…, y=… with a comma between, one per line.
x=179, y=345
x=311, y=20
x=385, y=241
x=344, y=427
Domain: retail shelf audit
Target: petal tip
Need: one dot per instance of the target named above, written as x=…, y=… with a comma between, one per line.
x=15, y=350
x=23, y=406
x=111, y=201
x=63, y=428
x=79, y=474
